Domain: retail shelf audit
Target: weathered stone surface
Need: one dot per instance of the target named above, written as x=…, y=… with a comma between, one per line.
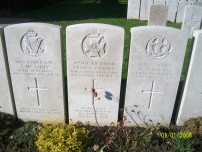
x=172, y=9
x=180, y=10
x=160, y=2
x=192, y=0
x=155, y=64
x=191, y=105
x=158, y=15
x=6, y=97
x=191, y=19
x=144, y=10
x=94, y=61
x=197, y=3
x=35, y=61
x=133, y=9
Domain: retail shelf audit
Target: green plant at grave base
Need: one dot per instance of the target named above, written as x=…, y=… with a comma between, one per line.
x=199, y=120
x=182, y=144
x=6, y=122
x=26, y=133
x=194, y=125
x=149, y=135
x=191, y=125
x=59, y=137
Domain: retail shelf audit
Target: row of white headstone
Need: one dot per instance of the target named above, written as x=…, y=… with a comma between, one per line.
x=32, y=82
x=191, y=20
x=139, y=9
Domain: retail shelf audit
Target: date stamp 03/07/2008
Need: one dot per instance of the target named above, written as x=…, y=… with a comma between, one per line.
x=176, y=135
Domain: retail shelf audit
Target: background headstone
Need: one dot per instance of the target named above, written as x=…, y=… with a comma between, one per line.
x=158, y=15
x=180, y=11
x=172, y=9
x=144, y=10
x=35, y=61
x=160, y=2
x=192, y=19
x=191, y=103
x=197, y=3
x=94, y=61
x=133, y=9
x=6, y=97
x=155, y=64
x=192, y=0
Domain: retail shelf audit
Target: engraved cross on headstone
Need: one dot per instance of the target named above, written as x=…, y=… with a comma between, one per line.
x=37, y=90
x=191, y=22
x=93, y=87
x=151, y=93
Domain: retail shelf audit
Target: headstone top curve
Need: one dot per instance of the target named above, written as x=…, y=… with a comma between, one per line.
x=32, y=24
x=94, y=24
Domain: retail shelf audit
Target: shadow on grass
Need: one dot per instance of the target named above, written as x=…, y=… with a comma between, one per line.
x=70, y=12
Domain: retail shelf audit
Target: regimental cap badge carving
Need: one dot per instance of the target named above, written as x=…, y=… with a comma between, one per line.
x=32, y=44
x=31, y=33
x=158, y=47
x=95, y=45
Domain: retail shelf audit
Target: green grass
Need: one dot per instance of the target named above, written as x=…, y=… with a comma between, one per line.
x=85, y=11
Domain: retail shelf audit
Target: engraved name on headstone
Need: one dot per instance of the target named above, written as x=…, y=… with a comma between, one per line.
x=6, y=97
x=94, y=63
x=35, y=61
x=155, y=64
x=191, y=102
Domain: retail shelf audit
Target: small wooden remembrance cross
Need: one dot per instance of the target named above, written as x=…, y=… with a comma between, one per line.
x=37, y=90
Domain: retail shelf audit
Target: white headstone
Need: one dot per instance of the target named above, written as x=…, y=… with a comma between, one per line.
x=192, y=0
x=160, y=2
x=197, y=3
x=192, y=19
x=180, y=11
x=94, y=61
x=155, y=64
x=133, y=9
x=191, y=105
x=158, y=15
x=6, y=96
x=35, y=61
x=144, y=10
x=172, y=9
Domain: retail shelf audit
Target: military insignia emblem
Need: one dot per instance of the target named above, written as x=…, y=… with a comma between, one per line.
x=32, y=44
x=95, y=46
x=158, y=47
